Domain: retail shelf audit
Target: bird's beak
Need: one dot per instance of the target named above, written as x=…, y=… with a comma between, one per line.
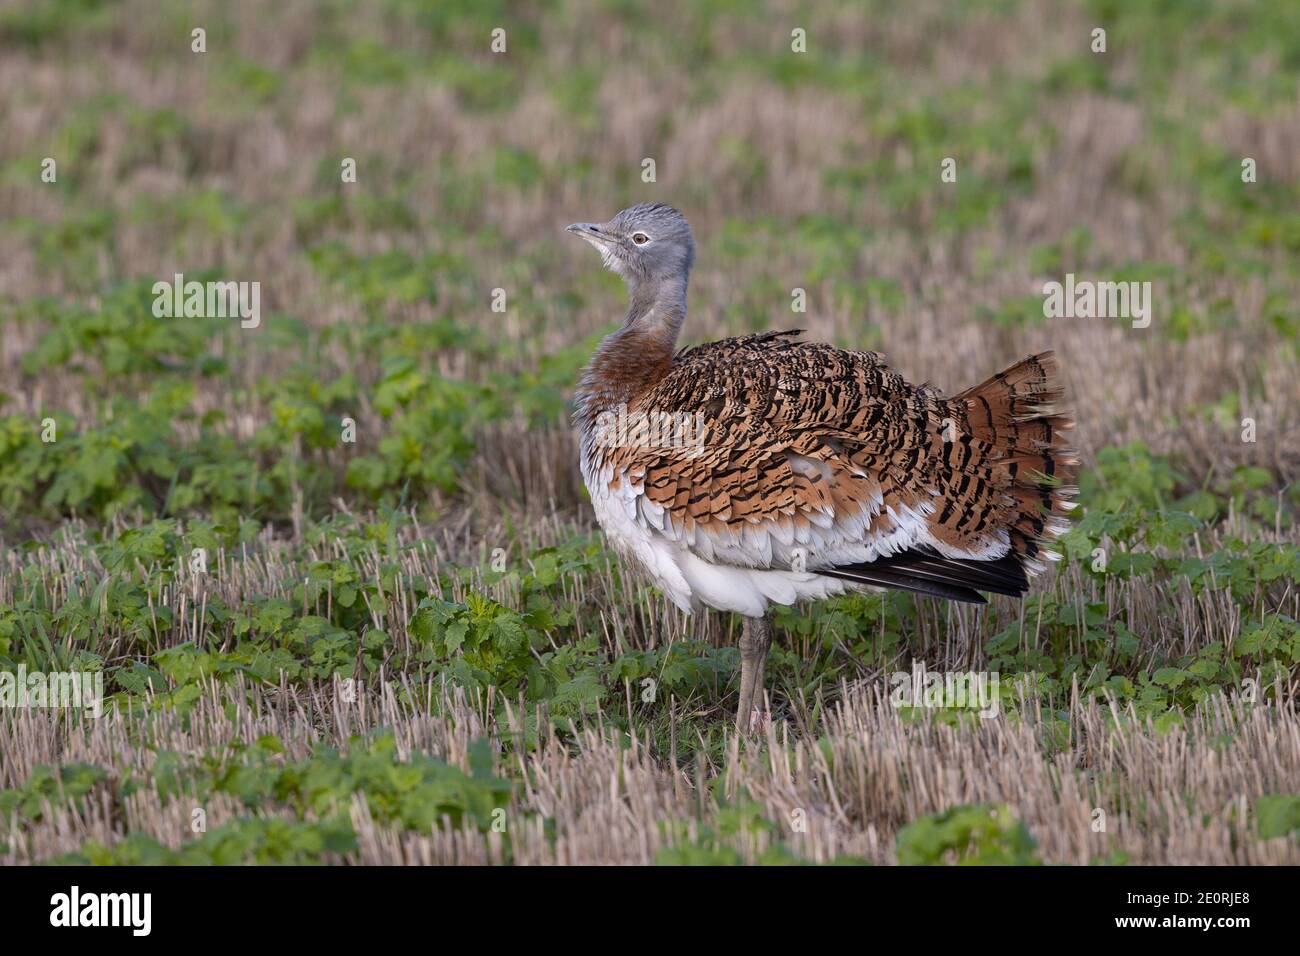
x=591, y=232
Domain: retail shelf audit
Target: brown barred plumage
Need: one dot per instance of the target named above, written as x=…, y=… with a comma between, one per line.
x=874, y=437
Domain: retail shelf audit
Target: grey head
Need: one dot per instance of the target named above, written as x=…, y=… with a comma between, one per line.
x=649, y=244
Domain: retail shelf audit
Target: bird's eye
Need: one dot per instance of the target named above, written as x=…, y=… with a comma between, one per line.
x=640, y=238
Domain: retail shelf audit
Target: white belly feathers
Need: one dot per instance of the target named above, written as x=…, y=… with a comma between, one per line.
x=639, y=529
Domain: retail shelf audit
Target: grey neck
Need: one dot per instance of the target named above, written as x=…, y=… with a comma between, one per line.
x=657, y=305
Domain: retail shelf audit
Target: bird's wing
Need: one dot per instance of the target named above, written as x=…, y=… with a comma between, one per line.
x=792, y=455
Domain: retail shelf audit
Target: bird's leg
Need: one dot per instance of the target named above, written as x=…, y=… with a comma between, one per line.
x=758, y=714
x=755, y=639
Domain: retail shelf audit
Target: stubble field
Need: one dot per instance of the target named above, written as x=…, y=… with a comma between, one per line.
x=415, y=646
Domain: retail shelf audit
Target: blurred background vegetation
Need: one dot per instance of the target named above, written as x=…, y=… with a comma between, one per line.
x=817, y=170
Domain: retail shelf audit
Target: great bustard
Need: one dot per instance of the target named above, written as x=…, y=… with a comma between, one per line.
x=762, y=470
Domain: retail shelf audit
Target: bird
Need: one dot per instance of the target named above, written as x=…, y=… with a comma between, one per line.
x=768, y=470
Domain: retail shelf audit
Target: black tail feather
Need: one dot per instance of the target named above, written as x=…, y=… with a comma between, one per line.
x=925, y=571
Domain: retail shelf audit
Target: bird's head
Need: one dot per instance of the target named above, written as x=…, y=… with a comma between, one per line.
x=648, y=242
